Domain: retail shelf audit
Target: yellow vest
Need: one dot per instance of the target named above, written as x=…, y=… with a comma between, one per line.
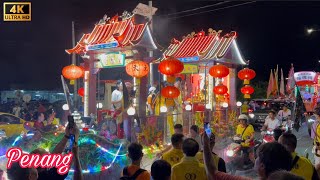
x=246, y=134
x=216, y=158
x=188, y=168
x=303, y=167
x=173, y=156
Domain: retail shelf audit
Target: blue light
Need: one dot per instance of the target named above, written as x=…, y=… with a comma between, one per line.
x=189, y=59
x=102, y=46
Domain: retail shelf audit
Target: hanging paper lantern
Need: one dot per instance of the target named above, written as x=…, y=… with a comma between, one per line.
x=246, y=74
x=137, y=69
x=247, y=90
x=171, y=66
x=72, y=72
x=220, y=89
x=81, y=91
x=219, y=71
x=170, y=92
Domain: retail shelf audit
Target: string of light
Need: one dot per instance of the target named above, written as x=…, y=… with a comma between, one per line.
x=194, y=9
x=217, y=9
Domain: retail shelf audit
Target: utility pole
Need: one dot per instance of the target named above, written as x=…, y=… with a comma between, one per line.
x=151, y=52
x=74, y=61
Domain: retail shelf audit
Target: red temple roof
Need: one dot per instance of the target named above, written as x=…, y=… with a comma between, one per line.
x=205, y=47
x=123, y=33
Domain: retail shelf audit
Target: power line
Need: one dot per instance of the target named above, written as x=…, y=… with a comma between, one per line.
x=237, y=5
x=195, y=9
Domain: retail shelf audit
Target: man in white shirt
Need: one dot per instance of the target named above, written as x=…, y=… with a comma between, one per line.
x=285, y=117
x=116, y=97
x=271, y=122
x=285, y=113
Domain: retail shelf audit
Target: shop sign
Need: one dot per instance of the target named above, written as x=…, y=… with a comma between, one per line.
x=189, y=59
x=111, y=60
x=190, y=69
x=304, y=76
x=102, y=46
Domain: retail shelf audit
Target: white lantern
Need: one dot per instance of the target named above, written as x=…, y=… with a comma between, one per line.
x=239, y=103
x=225, y=105
x=99, y=105
x=208, y=106
x=131, y=111
x=163, y=109
x=65, y=107
x=188, y=107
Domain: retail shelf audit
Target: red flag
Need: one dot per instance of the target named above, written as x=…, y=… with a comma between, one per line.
x=271, y=84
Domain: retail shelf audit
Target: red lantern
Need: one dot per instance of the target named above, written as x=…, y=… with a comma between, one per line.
x=171, y=66
x=137, y=69
x=81, y=91
x=219, y=71
x=72, y=72
x=246, y=74
x=170, y=92
x=220, y=89
x=247, y=91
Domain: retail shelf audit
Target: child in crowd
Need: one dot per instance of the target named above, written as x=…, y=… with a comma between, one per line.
x=106, y=133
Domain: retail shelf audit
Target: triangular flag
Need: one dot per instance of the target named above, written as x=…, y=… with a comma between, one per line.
x=270, y=85
x=282, y=93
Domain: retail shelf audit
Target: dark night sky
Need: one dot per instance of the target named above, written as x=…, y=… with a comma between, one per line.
x=269, y=33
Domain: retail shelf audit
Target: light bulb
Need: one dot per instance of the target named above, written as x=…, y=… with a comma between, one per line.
x=188, y=107
x=163, y=109
x=239, y=103
x=131, y=111
x=65, y=107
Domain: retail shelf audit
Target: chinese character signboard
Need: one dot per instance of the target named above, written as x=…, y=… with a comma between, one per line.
x=190, y=69
x=305, y=78
x=111, y=60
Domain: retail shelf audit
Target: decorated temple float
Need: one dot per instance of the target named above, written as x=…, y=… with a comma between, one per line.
x=308, y=83
x=207, y=83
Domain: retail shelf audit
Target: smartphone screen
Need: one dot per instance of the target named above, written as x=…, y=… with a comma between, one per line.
x=207, y=129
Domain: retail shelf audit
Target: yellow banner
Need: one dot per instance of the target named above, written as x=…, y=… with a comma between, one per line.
x=190, y=69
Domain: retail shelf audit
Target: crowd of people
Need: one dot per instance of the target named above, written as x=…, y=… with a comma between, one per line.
x=194, y=158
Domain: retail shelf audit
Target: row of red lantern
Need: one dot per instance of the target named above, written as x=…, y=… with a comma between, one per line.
x=170, y=67
x=246, y=75
x=219, y=71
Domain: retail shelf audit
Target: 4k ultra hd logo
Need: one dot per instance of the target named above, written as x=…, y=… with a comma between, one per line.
x=17, y=11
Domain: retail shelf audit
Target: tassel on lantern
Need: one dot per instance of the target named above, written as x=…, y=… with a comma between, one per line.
x=171, y=79
x=71, y=82
x=247, y=96
x=246, y=81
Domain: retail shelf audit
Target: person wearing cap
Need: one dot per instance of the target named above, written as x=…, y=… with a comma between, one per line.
x=246, y=132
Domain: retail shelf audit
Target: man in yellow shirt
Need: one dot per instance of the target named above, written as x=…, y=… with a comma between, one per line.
x=189, y=167
x=175, y=155
x=218, y=161
x=301, y=166
x=246, y=132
